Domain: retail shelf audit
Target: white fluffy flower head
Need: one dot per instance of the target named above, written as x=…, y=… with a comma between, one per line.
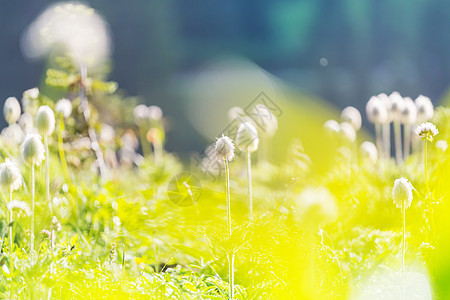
x=10, y=177
x=155, y=113
x=331, y=127
x=33, y=149
x=376, y=111
x=141, y=114
x=409, y=112
x=352, y=115
x=347, y=132
x=427, y=131
x=64, y=107
x=247, y=137
x=224, y=148
x=11, y=110
x=402, y=193
x=45, y=120
x=396, y=106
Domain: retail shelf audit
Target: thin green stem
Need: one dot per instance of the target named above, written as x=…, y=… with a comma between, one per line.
x=404, y=236
x=407, y=140
x=378, y=139
x=145, y=146
x=47, y=186
x=426, y=172
x=250, y=189
x=11, y=243
x=230, y=259
x=33, y=192
x=62, y=155
x=398, y=142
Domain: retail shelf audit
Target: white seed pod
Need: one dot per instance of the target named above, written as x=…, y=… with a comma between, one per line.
x=64, y=107
x=331, y=127
x=155, y=113
x=376, y=111
x=10, y=177
x=26, y=122
x=402, y=192
x=33, y=149
x=265, y=118
x=425, y=109
x=409, y=113
x=45, y=120
x=353, y=116
x=11, y=110
x=247, y=137
x=316, y=205
x=141, y=114
x=387, y=103
x=347, y=132
x=396, y=106
x=224, y=148
x=369, y=151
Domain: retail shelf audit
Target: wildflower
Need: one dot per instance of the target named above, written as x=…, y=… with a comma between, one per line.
x=33, y=149
x=425, y=109
x=396, y=106
x=351, y=115
x=369, y=151
x=347, y=132
x=155, y=113
x=11, y=110
x=46, y=233
x=225, y=148
x=26, y=122
x=247, y=137
x=20, y=205
x=141, y=114
x=427, y=131
x=402, y=193
x=409, y=113
x=45, y=120
x=64, y=107
x=10, y=177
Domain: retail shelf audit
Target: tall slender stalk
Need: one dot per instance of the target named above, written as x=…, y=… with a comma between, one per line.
x=250, y=189
x=11, y=243
x=32, y=208
x=398, y=142
x=404, y=236
x=426, y=172
x=62, y=155
x=230, y=259
x=379, y=139
x=387, y=140
x=407, y=140
x=47, y=185
x=145, y=146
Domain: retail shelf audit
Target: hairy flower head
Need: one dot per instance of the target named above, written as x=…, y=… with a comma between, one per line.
x=33, y=149
x=224, y=148
x=427, y=131
x=10, y=177
x=64, y=107
x=45, y=120
x=369, y=151
x=247, y=137
x=376, y=111
x=11, y=110
x=352, y=115
x=425, y=109
x=402, y=193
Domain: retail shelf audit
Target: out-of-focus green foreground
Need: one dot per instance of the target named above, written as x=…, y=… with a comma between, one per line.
x=121, y=236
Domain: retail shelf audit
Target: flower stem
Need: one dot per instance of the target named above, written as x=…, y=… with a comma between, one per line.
x=11, y=243
x=230, y=259
x=250, y=189
x=404, y=236
x=379, y=139
x=426, y=172
x=407, y=141
x=62, y=156
x=145, y=146
x=32, y=208
x=398, y=142
x=47, y=185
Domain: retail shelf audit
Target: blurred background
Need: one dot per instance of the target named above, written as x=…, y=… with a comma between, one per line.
x=341, y=51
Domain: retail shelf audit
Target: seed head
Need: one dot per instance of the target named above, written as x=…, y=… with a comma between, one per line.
x=224, y=148
x=45, y=120
x=32, y=149
x=140, y=113
x=369, y=151
x=402, y=193
x=64, y=107
x=376, y=111
x=155, y=113
x=331, y=127
x=10, y=177
x=396, y=106
x=427, y=131
x=11, y=110
x=351, y=115
x=247, y=137
x=425, y=109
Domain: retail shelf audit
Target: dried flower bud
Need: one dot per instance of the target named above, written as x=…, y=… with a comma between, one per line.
x=64, y=107
x=352, y=115
x=425, y=109
x=10, y=177
x=409, y=113
x=224, y=148
x=376, y=111
x=347, y=132
x=247, y=137
x=11, y=110
x=33, y=149
x=45, y=120
x=369, y=151
x=402, y=193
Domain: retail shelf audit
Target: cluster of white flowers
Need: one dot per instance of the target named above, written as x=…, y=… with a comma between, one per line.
x=427, y=131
